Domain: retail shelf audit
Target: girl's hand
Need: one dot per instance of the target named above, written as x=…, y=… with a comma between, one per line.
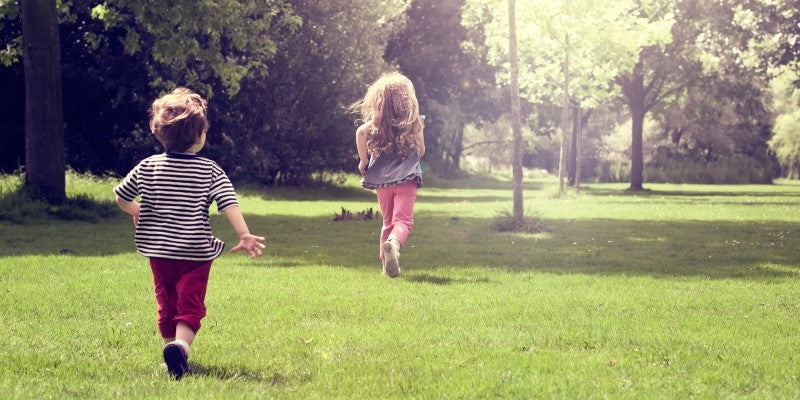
x=362, y=167
x=251, y=243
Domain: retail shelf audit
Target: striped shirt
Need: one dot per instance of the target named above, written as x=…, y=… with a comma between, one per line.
x=177, y=189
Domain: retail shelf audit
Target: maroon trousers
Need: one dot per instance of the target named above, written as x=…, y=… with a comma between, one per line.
x=180, y=287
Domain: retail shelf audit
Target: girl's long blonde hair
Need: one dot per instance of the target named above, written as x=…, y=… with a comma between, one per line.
x=391, y=108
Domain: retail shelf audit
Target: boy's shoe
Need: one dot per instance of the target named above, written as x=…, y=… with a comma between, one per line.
x=391, y=254
x=177, y=364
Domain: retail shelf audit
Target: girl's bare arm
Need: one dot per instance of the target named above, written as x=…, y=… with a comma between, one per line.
x=361, y=144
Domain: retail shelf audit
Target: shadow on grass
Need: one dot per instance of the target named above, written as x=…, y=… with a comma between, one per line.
x=715, y=249
x=229, y=373
x=441, y=280
x=308, y=193
x=680, y=193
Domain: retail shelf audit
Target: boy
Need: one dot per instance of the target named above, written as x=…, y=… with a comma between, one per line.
x=172, y=228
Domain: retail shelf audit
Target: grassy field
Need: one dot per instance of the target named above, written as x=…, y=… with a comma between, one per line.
x=682, y=291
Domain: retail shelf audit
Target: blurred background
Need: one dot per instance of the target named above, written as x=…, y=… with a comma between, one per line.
x=708, y=89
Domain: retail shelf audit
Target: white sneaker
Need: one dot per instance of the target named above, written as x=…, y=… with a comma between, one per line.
x=391, y=254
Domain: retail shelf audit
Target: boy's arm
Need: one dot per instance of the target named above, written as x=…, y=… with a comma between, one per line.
x=130, y=207
x=248, y=242
x=361, y=144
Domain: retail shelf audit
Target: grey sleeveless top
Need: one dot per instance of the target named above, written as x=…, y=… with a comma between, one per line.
x=387, y=170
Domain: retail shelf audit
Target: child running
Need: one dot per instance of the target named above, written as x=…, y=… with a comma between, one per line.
x=391, y=136
x=176, y=188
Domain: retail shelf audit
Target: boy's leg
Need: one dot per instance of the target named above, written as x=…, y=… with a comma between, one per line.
x=191, y=288
x=166, y=296
x=386, y=203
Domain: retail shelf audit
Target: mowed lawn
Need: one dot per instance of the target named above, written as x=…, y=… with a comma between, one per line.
x=683, y=291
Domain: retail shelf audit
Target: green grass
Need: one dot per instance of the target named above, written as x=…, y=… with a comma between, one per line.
x=682, y=291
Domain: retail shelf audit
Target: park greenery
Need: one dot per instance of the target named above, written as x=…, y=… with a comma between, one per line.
x=656, y=144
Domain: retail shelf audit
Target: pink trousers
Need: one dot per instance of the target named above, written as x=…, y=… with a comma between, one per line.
x=397, y=208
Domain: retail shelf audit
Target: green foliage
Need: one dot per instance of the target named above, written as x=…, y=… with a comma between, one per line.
x=605, y=38
x=186, y=40
x=11, y=32
x=785, y=142
x=454, y=83
x=287, y=125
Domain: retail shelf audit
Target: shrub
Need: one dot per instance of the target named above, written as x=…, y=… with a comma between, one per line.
x=504, y=222
x=734, y=169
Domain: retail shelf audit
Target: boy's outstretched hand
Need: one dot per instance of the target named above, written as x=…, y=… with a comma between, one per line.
x=251, y=243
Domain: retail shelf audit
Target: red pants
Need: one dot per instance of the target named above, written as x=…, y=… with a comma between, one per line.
x=180, y=287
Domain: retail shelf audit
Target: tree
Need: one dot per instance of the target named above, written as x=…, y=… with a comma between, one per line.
x=121, y=54
x=44, y=131
x=516, y=127
x=454, y=84
x=293, y=120
x=786, y=141
x=605, y=38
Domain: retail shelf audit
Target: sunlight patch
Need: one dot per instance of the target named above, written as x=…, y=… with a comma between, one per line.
x=647, y=239
x=782, y=268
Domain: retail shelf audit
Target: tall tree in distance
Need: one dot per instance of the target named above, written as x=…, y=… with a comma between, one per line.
x=562, y=157
x=516, y=125
x=455, y=86
x=44, y=129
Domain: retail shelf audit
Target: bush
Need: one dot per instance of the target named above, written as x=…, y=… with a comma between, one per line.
x=613, y=171
x=734, y=169
x=504, y=222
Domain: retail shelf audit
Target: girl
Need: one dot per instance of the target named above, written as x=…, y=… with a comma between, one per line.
x=392, y=137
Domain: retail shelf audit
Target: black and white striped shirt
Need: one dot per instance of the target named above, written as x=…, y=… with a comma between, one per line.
x=177, y=189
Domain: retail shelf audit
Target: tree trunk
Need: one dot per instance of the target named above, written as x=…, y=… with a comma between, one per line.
x=635, y=94
x=565, y=111
x=458, y=147
x=637, y=160
x=44, y=127
x=578, y=138
x=516, y=124
x=572, y=157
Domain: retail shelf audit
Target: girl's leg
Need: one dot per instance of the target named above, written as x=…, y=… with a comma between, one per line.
x=386, y=203
x=403, y=212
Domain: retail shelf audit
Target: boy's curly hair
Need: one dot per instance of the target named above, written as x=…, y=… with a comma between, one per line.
x=391, y=107
x=177, y=119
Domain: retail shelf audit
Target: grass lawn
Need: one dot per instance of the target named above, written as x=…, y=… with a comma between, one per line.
x=683, y=291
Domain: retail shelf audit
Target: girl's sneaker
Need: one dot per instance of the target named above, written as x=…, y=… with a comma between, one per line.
x=177, y=364
x=391, y=254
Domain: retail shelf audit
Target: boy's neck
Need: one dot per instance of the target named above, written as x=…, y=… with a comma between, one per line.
x=181, y=154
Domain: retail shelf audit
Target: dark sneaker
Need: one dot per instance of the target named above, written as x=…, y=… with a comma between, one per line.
x=177, y=364
x=391, y=254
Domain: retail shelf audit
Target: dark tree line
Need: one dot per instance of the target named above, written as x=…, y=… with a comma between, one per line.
x=278, y=84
